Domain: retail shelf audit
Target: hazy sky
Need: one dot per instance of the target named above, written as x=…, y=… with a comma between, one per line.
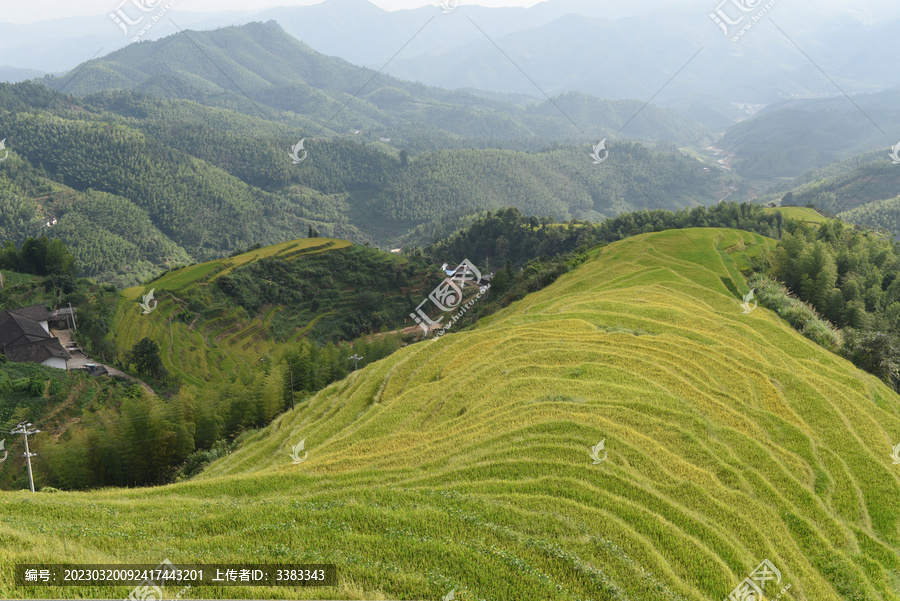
x=27, y=11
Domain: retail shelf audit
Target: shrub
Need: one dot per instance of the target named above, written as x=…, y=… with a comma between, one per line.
x=876, y=352
x=802, y=317
x=197, y=460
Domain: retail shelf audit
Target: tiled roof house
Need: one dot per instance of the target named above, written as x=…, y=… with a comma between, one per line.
x=25, y=337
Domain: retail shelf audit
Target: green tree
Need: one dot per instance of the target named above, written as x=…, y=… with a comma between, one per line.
x=145, y=357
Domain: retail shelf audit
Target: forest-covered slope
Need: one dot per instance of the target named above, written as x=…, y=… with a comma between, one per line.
x=140, y=184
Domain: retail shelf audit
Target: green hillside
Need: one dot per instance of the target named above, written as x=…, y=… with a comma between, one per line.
x=803, y=214
x=879, y=214
x=848, y=185
x=141, y=184
x=227, y=345
x=465, y=463
x=207, y=329
x=797, y=135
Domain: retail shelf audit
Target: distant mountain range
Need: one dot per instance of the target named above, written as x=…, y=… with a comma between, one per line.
x=187, y=135
x=259, y=65
x=602, y=48
x=13, y=75
x=794, y=136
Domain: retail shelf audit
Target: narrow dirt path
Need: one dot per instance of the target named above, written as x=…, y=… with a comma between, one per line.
x=80, y=359
x=115, y=372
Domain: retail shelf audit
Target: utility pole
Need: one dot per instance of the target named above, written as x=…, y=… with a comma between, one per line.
x=22, y=428
x=355, y=358
x=291, y=370
x=74, y=325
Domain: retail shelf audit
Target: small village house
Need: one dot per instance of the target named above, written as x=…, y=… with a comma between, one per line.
x=25, y=337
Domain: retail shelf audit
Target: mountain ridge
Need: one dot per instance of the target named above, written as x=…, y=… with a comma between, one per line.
x=287, y=76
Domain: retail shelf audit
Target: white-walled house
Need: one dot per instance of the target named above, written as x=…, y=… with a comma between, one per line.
x=46, y=352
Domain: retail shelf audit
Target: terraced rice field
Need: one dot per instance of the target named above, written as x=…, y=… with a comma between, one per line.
x=466, y=463
x=211, y=351
x=809, y=216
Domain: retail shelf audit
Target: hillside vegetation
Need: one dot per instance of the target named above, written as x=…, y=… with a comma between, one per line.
x=228, y=345
x=805, y=214
x=847, y=187
x=794, y=136
x=31, y=392
x=215, y=318
x=139, y=184
x=884, y=214
x=729, y=439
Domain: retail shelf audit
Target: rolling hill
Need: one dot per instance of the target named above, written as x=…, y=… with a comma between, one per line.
x=852, y=187
x=795, y=136
x=139, y=184
x=226, y=345
x=258, y=65
x=883, y=214
x=216, y=318
x=602, y=47
x=465, y=464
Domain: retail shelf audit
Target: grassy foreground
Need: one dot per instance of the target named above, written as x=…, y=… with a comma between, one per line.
x=464, y=463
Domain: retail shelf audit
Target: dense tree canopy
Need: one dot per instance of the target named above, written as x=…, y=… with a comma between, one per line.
x=38, y=256
x=851, y=278
x=139, y=184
